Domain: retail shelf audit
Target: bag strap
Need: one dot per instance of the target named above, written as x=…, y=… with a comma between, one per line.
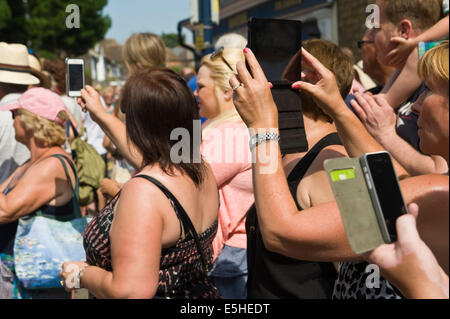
x=187, y=223
x=75, y=191
x=75, y=132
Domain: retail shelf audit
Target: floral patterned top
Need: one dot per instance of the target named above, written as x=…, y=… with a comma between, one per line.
x=182, y=271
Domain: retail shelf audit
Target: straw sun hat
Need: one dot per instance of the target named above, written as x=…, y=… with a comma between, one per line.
x=14, y=65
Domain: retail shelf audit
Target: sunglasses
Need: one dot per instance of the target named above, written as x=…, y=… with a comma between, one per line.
x=361, y=43
x=218, y=53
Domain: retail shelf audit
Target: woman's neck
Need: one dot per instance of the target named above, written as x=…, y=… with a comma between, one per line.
x=227, y=106
x=315, y=131
x=38, y=151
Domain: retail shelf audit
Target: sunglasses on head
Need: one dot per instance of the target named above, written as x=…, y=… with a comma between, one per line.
x=218, y=53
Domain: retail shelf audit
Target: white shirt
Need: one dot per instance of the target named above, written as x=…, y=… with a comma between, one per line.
x=94, y=133
x=12, y=153
x=446, y=6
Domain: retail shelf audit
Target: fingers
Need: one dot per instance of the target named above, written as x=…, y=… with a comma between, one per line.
x=413, y=209
x=366, y=102
x=310, y=60
x=407, y=228
x=256, y=69
x=305, y=86
x=234, y=82
x=309, y=75
x=90, y=89
x=359, y=111
x=81, y=102
x=383, y=255
x=381, y=100
x=391, y=56
x=398, y=40
x=243, y=74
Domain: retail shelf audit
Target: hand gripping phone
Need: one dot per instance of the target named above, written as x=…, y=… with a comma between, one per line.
x=277, y=47
x=74, y=77
x=369, y=199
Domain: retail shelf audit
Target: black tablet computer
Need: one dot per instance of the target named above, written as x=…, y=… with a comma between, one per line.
x=277, y=46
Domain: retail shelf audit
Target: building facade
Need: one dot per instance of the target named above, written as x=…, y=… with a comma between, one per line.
x=340, y=21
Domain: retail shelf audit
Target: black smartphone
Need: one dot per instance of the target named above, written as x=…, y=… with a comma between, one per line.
x=277, y=46
x=74, y=77
x=384, y=190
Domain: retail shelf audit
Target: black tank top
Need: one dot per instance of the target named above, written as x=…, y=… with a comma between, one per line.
x=271, y=275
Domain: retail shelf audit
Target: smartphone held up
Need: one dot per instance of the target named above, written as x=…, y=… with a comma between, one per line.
x=369, y=198
x=75, y=77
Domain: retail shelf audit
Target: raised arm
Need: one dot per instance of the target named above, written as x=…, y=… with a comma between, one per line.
x=315, y=234
x=323, y=88
x=405, y=47
x=113, y=127
x=380, y=120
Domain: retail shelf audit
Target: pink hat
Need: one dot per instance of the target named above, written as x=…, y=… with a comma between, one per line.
x=41, y=102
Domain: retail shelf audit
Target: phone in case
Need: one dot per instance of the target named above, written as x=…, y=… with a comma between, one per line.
x=75, y=77
x=277, y=46
x=369, y=199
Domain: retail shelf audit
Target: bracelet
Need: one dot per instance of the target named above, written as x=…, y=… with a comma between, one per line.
x=260, y=138
x=80, y=273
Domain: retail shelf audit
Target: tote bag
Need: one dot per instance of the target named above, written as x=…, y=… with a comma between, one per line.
x=44, y=242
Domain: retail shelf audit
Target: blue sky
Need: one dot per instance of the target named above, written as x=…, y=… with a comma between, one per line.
x=157, y=16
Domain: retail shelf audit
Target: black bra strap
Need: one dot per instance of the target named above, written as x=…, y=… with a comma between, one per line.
x=302, y=167
x=181, y=213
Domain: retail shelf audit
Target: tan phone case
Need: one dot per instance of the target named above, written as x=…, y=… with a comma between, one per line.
x=354, y=203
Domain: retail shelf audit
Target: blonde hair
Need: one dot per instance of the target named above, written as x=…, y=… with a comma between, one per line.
x=45, y=131
x=435, y=63
x=221, y=75
x=144, y=50
x=231, y=40
x=107, y=90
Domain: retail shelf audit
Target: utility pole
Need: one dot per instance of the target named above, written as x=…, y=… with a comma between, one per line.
x=205, y=8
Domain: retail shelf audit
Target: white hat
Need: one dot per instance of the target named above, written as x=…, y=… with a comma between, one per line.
x=14, y=65
x=36, y=70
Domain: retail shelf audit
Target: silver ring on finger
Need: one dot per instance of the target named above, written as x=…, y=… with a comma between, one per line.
x=237, y=86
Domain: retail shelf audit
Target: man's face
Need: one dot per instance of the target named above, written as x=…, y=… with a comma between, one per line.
x=383, y=35
x=368, y=53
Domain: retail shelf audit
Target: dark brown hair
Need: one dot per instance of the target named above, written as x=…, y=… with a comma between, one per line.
x=157, y=101
x=57, y=69
x=335, y=60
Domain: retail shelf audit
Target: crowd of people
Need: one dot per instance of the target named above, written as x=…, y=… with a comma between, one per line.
x=216, y=224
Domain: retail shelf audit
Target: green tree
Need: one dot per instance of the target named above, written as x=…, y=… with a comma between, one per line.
x=5, y=13
x=41, y=24
x=170, y=39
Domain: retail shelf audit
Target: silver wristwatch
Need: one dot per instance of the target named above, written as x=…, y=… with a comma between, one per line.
x=260, y=138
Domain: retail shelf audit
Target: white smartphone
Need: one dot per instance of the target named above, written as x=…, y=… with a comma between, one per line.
x=74, y=77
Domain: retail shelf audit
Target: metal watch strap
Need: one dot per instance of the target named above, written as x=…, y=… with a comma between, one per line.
x=80, y=273
x=260, y=138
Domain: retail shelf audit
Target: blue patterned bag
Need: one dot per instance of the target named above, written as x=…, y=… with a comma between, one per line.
x=43, y=243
